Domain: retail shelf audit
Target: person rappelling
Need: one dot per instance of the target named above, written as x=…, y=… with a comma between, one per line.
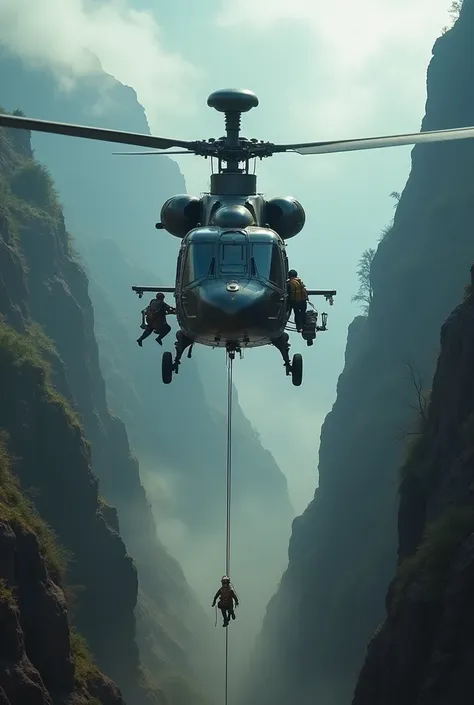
x=226, y=597
x=298, y=298
x=155, y=316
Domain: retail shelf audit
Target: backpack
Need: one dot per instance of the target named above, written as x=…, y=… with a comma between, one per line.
x=156, y=310
x=225, y=597
x=298, y=290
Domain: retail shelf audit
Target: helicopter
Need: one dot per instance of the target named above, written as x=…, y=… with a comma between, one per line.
x=232, y=268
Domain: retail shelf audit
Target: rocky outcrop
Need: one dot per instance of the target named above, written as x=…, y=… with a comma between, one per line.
x=422, y=652
x=343, y=548
x=43, y=435
x=42, y=660
x=119, y=246
x=54, y=460
x=47, y=319
x=111, y=205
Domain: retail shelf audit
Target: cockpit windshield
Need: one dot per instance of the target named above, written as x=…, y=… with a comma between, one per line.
x=199, y=261
x=233, y=254
x=267, y=260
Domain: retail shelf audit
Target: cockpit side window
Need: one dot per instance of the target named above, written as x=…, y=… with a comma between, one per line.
x=199, y=262
x=276, y=267
x=268, y=262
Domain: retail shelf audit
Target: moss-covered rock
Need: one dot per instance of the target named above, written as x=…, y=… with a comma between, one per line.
x=42, y=659
x=65, y=441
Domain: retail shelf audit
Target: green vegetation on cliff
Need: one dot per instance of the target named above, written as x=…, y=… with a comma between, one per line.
x=64, y=441
x=343, y=550
x=433, y=556
x=16, y=508
x=421, y=652
x=18, y=512
x=29, y=367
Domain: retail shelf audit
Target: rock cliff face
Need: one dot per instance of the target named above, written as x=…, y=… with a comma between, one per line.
x=111, y=205
x=422, y=653
x=42, y=659
x=47, y=318
x=343, y=548
x=177, y=432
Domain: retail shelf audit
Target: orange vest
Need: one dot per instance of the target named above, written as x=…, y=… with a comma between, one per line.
x=298, y=290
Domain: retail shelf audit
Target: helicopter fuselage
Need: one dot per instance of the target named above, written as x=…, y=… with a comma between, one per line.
x=231, y=286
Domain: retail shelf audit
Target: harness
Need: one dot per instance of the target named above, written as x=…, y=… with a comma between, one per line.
x=225, y=599
x=156, y=312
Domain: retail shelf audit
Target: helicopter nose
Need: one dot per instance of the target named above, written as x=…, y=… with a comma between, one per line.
x=235, y=299
x=229, y=309
x=234, y=309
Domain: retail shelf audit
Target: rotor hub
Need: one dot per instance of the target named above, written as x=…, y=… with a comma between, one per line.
x=233, y=102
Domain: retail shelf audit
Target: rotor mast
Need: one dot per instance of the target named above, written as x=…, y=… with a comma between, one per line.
x=233, y=181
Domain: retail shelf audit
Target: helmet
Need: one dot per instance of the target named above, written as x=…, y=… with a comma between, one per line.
x=160, y=295
x=225, y=579
x=292, y=273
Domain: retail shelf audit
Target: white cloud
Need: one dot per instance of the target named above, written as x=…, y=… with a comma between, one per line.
x=327, y=70
x=68, y=35
x=351, y=49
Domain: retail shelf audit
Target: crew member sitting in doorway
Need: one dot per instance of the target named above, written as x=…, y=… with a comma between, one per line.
x=298, y=298
x=155, y=316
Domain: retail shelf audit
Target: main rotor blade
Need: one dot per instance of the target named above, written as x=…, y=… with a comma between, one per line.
x=164, y=154
x=459, y=133
x=90, y=133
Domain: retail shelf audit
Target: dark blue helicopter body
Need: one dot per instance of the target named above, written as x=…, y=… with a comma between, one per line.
x=231, y=286
x=232, y=270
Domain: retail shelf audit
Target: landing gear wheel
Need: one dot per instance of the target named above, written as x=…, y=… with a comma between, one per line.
x=297, y=369
x=167, y=368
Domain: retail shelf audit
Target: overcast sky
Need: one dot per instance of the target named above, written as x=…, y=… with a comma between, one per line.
x=335, y=69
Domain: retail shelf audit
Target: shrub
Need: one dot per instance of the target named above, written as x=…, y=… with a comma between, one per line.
x=84, y=666
x=32, y=182
x=17, y=509
x=433, y=557
x=31, y=349
x=6, y=594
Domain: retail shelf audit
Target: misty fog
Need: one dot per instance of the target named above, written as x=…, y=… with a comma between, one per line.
x=347, y=202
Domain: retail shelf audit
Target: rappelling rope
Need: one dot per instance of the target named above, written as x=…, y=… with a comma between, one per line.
x=228, y=506
x=228, y=465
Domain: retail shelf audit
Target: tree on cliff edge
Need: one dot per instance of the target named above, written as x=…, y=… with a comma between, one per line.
x=364, y=272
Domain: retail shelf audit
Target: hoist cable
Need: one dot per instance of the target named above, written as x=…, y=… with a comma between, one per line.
x=228, y=466
x=228, y=507
x=226, y=689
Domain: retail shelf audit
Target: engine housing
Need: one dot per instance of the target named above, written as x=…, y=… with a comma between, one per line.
x=180, y=214
x=285, y=215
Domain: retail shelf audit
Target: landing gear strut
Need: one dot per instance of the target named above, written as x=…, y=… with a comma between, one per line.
x=293, y=367
x=168, y=365
x=232, y=348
